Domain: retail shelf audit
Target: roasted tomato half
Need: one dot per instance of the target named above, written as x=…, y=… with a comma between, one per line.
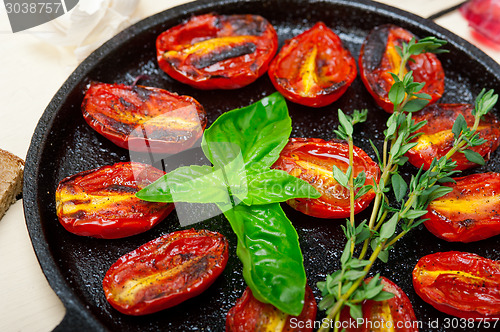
x=313, y=69
x=471, y=212
x=437, y=139
x=101, y=202
x=217, y=51
x=251, y=315
x=312, y=160
x=165, y=271
x=142, y=118
x=395, y=314
x=379, y=57
x=459, y=284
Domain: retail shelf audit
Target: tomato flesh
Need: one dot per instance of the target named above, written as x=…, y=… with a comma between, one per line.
x=396, y=313
x=217, y=51
x=101, y=202
x=313, y=69
x=312, y=160
x=144, y=119
x=379, y=57
x=471, y=212
x=165, y=271
x=459, y=284
x=250, y=315
x=437, y=139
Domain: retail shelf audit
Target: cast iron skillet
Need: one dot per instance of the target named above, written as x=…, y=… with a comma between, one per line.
x=63, y=144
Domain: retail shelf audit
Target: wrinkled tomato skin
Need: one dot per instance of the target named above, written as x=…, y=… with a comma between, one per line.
x=471, y=212
x=144, y=119
x=313, y=69
x=378, y=58
x=459, y=284
x=101, y=203
x=437, y=139
x=397, y=312
x=217, y=51
x=251, y=315
x=165, y=271
x=312, y=160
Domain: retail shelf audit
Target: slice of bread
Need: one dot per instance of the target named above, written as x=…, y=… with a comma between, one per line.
x=11, y=179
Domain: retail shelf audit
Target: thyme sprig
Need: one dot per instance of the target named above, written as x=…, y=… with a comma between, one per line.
x=345, y=287
x=347, y=180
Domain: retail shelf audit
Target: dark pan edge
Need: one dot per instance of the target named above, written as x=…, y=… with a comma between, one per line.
x=77, y=316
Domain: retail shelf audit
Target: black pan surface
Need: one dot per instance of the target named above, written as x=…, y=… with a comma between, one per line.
x=63, y=144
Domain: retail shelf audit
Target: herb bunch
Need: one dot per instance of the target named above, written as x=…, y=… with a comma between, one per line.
x=346, y=287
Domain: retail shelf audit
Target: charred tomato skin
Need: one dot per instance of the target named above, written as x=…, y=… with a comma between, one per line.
x=437, y=139
x=378, y=58
x=144, y=119
x=165, y=271
x=459, y=284
x=312, y=160
x=471, y=212
x=101, y=202
x=394, y=310
x=251, y=315
x=313, y=69
x=217, y=51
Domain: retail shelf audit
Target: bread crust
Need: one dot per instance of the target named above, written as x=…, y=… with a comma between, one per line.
x=11, y=179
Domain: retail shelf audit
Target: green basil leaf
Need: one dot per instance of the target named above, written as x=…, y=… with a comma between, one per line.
x=269, y=249
x=190, y=184
x=474, y=157
x=258, y=132
x=274, y=186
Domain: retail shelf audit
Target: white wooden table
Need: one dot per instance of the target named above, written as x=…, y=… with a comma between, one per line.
x=31, y=72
